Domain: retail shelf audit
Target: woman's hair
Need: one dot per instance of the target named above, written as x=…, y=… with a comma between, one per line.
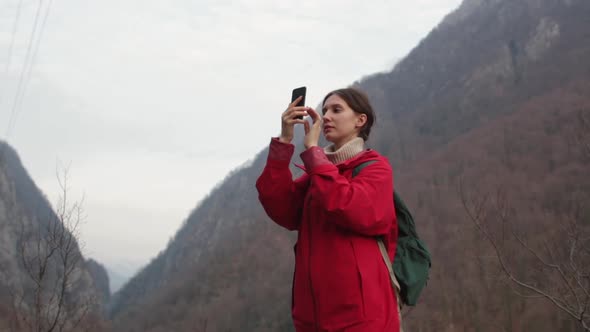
x=359, y=102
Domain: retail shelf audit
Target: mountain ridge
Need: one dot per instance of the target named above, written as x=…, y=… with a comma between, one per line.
x=29, y=226
x=449, y=111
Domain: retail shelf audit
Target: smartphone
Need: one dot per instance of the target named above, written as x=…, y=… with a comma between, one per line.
x=297, y=93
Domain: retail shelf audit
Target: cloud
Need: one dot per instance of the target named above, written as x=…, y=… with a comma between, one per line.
x=153, y=102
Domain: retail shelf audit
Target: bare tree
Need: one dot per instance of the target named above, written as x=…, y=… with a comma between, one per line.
x=200, y=326
x=50, y=297
x=565, y=270
x=561, y=267
x=557, y=269
x=582, y=132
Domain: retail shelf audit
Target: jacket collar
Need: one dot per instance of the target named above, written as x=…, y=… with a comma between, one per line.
x=353, y=162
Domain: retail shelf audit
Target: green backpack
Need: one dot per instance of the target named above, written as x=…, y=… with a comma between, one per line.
x=411, y=263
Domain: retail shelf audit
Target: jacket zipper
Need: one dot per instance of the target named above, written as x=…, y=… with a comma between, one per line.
x=315, y=314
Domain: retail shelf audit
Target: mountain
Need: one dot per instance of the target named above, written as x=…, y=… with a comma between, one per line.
x=44, y=279
x=489, y=108
x=101, y=280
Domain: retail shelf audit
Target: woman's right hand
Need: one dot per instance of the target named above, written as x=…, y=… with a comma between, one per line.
x=289, y=118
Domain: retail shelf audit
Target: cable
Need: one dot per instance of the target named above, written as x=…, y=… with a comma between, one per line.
x=33, y=59
x=11, y=45
x=19, y=87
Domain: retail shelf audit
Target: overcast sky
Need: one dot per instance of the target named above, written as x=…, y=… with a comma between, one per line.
x=152, y=103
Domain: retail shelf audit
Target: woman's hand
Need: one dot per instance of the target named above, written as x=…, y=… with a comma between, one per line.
x=312, y=132
x=289, y=119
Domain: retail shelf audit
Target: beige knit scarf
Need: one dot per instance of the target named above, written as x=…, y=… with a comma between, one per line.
x=347, y=151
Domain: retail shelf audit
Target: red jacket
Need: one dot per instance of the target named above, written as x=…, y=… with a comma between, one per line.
x=340, y=282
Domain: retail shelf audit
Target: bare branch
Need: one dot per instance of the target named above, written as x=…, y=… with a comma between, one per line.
x=549, y=265
x=50, y=256
x=515, y=291
x=475, y=214
x=584, y=131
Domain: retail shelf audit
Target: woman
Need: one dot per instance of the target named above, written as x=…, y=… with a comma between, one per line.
x=341, y=282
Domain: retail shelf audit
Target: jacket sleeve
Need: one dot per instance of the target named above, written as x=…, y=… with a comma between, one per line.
x=281, y=197
x=363, y=205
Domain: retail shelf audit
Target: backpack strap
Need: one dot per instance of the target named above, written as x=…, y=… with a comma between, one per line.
x=360, y=167
x=394, y=283
x=392, y=277
x=387, y=261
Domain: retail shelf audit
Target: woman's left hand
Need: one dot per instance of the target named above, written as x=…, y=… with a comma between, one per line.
x=312, y=132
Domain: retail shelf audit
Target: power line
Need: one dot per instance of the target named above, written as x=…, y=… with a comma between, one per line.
x=28, y=62
x=11, y=45
x=33, y=60
x=19, y=87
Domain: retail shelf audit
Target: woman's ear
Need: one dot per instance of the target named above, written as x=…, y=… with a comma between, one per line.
x=361, y=119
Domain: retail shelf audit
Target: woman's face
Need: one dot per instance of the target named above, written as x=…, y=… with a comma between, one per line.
x=341, y=123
